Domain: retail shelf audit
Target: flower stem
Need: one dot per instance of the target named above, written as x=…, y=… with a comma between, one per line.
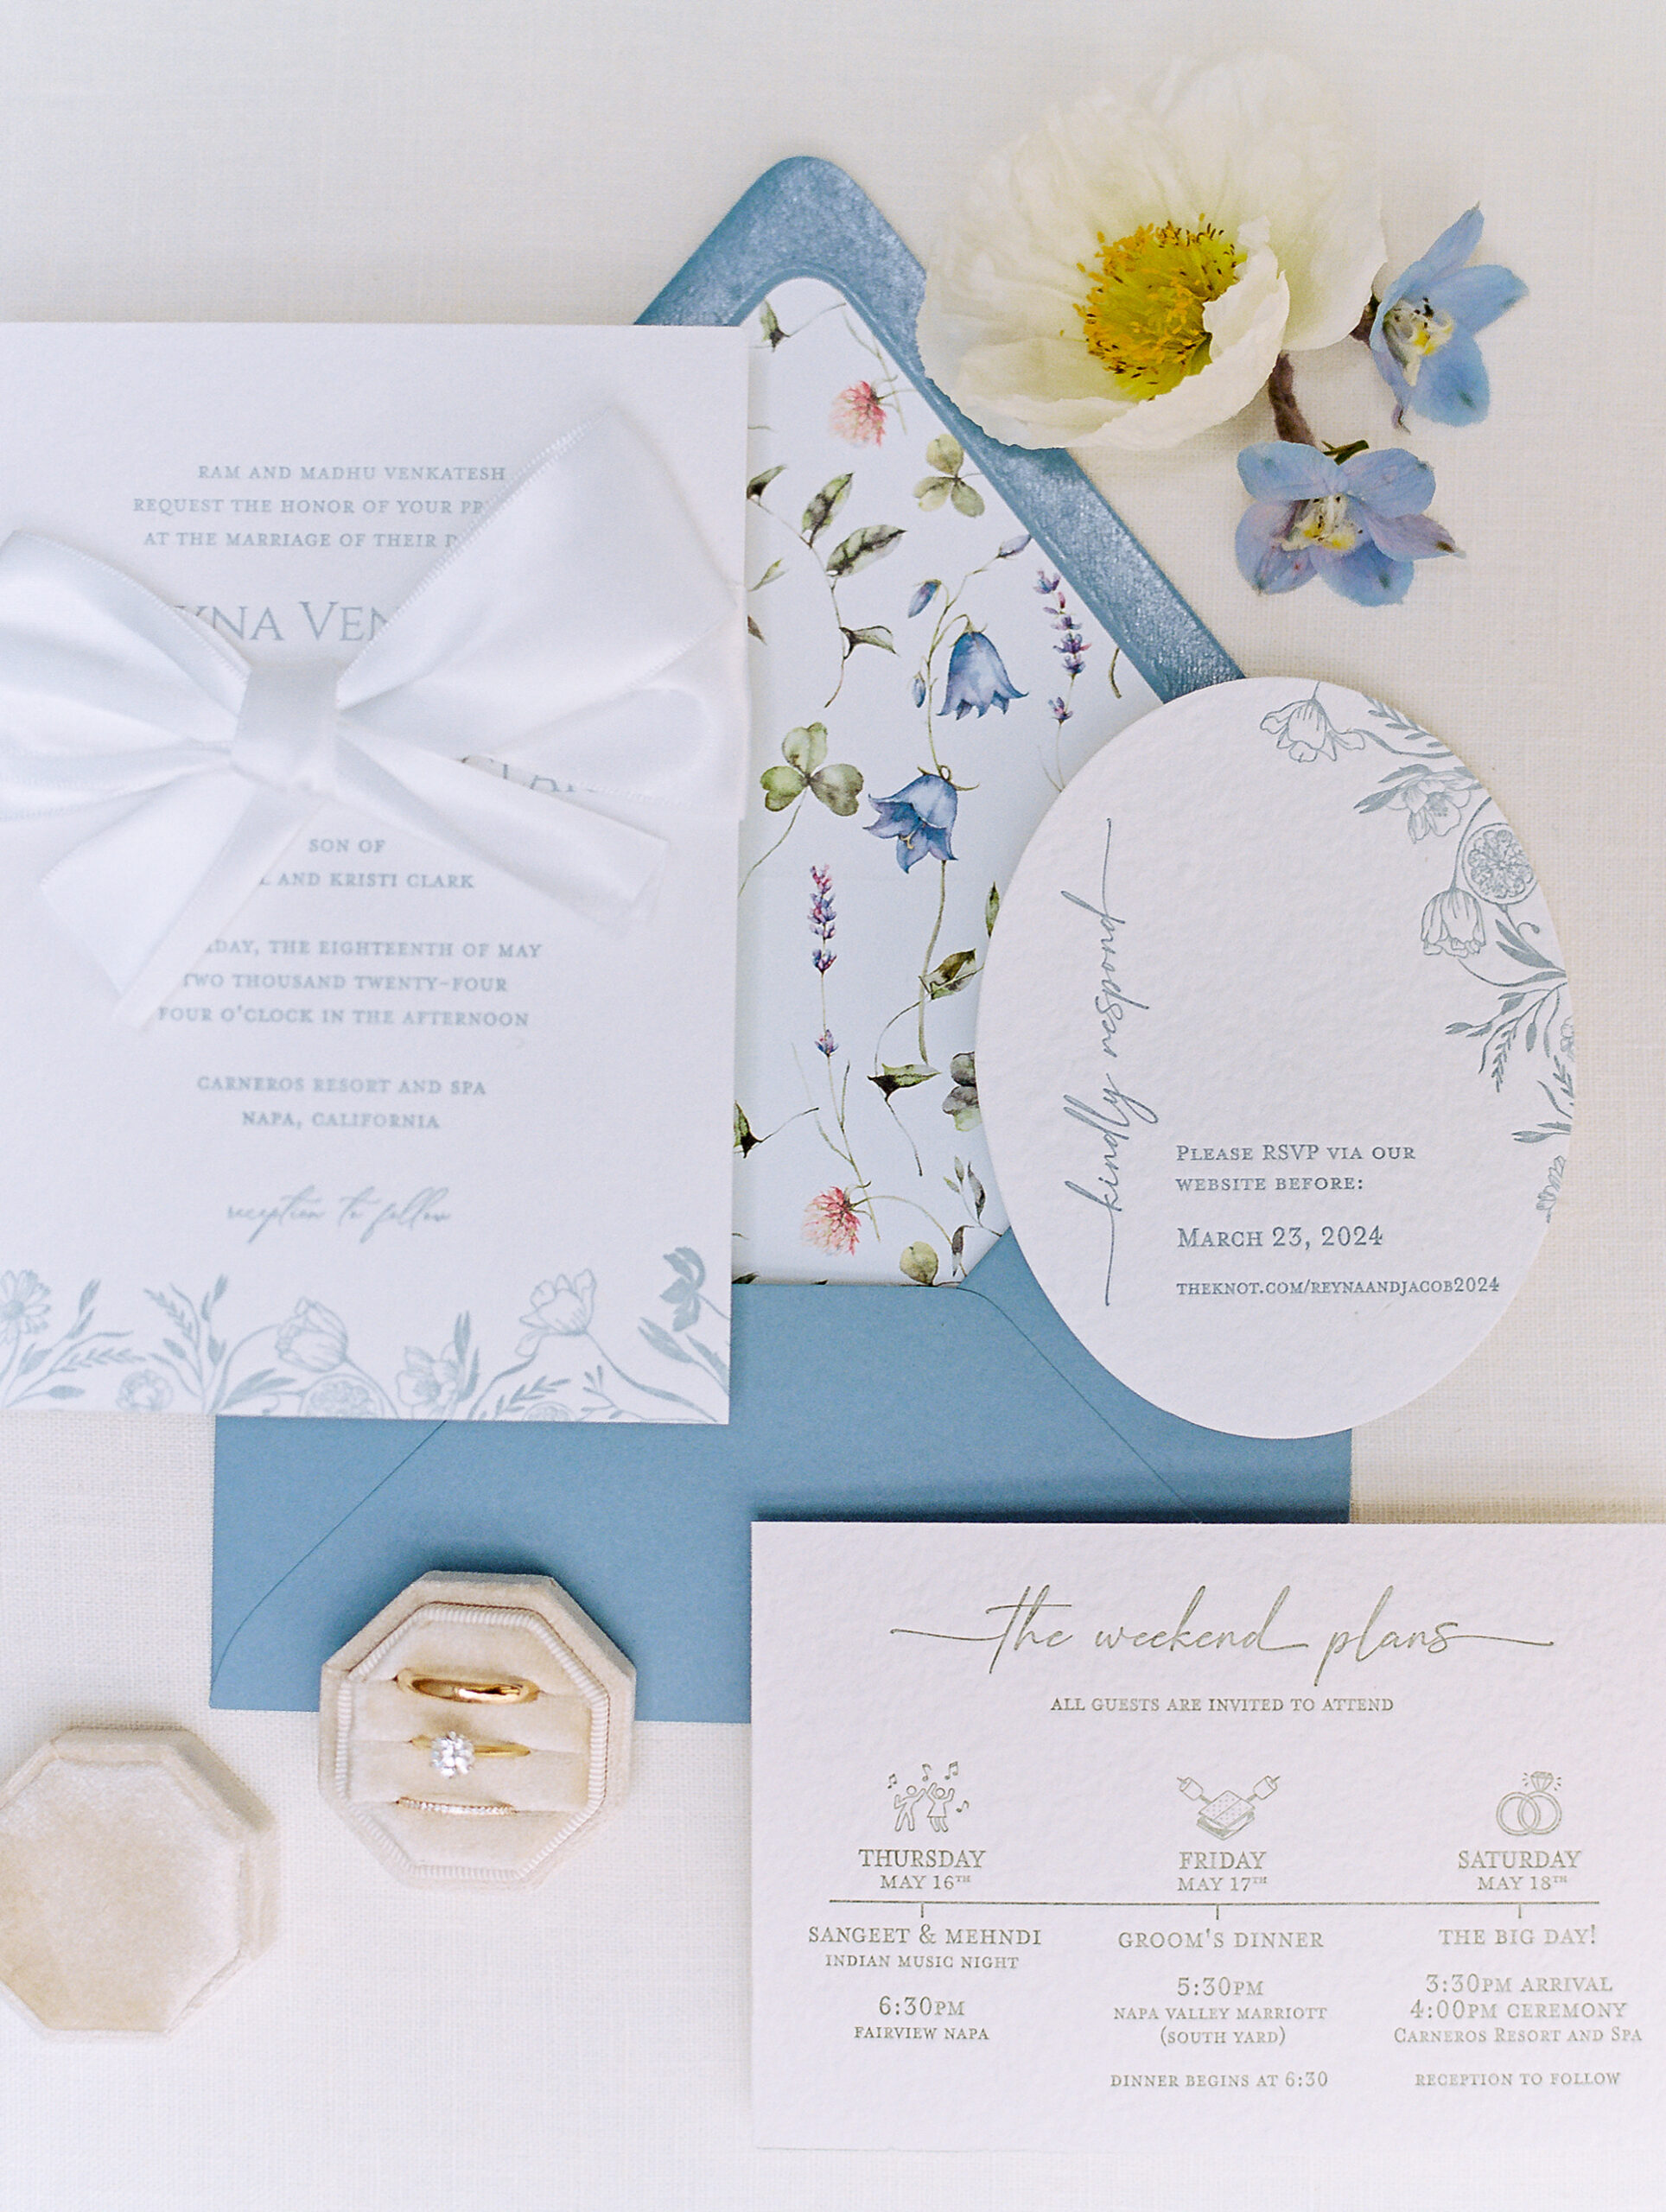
x=776, y=847
x=926, y=964
x=647, y=1388
x=1288, y=420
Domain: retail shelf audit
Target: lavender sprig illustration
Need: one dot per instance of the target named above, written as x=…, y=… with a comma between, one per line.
x=824, y=926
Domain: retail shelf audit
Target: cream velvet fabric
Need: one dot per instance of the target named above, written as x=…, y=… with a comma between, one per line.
x=538, y=1809
x=135, y=1876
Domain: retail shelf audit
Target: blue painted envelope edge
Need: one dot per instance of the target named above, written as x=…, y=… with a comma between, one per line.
x=851, y=1402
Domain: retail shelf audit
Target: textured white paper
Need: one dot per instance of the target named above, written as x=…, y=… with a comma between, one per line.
x=1220, y=1840
x=410, y=1140
x=1275, y=1057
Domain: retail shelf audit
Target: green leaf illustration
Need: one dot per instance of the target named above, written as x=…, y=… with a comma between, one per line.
x=862, y=547
x=919, y=1263
x=806, y=748
x=770, y=326
x=825, y=505
x=932, y=490
x=952, y=975
x=837, y=787
x=775, y=568
x=944, y=453
x=991, y=908
x=967, y=501
x=758, y=485
x=744, y=1138
x=755, y=631
x=877, y=635
x=781, y=786
x=902, y=1078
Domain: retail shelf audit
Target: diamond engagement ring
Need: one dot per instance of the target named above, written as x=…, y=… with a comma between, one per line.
x=461, y=1689
x=453, y=1754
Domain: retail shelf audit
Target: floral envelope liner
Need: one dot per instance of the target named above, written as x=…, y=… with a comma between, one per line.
x=925, y=683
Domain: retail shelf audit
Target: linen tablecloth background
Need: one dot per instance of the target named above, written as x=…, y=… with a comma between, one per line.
x=540, y=159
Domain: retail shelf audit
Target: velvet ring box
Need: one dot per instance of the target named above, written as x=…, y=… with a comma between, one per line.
x=445, y=1784
x=137, y=1877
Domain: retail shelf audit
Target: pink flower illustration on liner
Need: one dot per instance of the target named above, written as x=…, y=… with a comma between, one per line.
x=858, y=416
x=832, y=1222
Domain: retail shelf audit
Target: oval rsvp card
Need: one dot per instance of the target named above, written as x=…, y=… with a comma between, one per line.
x=1276, y=1058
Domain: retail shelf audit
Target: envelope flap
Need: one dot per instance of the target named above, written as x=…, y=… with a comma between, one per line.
x=850, y=1403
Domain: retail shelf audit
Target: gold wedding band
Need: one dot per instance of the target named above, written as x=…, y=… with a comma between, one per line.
x=462, y=1689
x=485, y=1806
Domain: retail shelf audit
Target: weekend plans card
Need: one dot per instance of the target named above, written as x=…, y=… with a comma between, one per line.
x=1084, y=1838
x=408, y=1136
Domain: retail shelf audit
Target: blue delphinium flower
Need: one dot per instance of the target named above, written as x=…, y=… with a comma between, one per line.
x=920, y=817
x=1422, y=338
x=976, y=677
x=1357, y=522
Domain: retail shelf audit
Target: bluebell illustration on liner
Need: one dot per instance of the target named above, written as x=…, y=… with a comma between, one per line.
x=1479, y=917
x=1359, y=523
x=977, y=678
x=1422, y=336
x=32, y=1371
x=920, y=817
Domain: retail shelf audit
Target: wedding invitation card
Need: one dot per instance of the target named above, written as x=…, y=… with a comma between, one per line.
x=1276, y=1057
x=370, y=1013
x=1094, y=1838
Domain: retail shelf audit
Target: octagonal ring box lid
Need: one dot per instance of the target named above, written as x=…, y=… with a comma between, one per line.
x=518, y=1814
x=138, y=1875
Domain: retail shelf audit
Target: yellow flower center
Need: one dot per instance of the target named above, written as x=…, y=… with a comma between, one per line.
x=1323, y=522
x=1415, y=332
x=1143, y=314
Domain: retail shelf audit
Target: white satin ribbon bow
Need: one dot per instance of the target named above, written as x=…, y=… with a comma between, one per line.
x=580, y=632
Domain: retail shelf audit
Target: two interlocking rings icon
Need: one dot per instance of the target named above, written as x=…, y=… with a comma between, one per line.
x=1528, y=1812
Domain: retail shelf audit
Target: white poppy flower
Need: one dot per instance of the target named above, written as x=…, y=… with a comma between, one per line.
x=1127, y=275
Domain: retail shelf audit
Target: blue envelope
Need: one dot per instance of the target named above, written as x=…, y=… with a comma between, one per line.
x=850, y=1403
